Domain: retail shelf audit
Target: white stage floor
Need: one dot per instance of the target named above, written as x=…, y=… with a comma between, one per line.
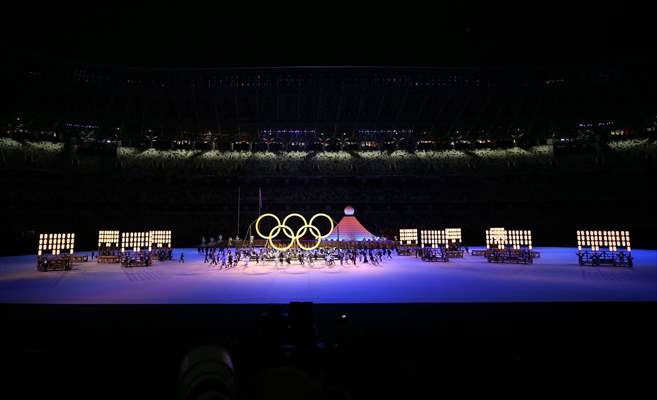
x=556, y=276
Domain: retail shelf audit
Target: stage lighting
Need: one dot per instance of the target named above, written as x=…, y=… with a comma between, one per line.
x=519, y=238
x=604, y=248
x=500, y=237
x=433, y=238
x=408, y=236
x=453, y=235
x=55, y=243
x=135, y=241
x=496, y=237
x=161, y=239
x=108, y=239
x=610, y=240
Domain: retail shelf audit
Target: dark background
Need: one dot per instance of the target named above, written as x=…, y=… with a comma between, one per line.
x=330, y=33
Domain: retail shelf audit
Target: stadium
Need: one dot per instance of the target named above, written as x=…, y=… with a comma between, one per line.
x=487, y=146
x=303, y=221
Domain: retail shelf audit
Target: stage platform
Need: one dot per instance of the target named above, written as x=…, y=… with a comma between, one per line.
x=555, y=276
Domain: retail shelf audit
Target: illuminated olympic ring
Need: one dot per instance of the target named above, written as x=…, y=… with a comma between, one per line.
x=294, y=236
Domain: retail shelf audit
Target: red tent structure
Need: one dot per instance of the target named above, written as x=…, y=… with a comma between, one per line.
x=349, y=228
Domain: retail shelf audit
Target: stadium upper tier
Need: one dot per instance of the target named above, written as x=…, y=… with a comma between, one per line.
x=318, y=103
x=633, y=154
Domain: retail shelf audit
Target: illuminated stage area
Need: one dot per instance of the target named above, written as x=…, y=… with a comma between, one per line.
x=555, y=276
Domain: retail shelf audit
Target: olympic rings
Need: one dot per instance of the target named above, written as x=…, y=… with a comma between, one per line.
x=287, y=231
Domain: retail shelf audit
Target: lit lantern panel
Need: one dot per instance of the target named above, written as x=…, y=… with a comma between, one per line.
x=135, y=240
x=453, y=235
x=496, y=237
x=433, y=238
x=161, y=238
x=519, y=238
x=611, y=240
x=55, y=243
x=108, y=238
x=408, y=236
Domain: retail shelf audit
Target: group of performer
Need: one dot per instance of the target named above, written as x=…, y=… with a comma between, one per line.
x=161, y=254
x=225, y=258
x=136, y=259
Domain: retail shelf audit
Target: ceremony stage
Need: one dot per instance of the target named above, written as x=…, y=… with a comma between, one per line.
x=555, y=276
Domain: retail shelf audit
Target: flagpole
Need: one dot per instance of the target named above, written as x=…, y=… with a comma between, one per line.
x=238, y=211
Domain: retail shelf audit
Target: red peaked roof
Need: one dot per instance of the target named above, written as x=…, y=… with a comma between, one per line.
x=349, y=228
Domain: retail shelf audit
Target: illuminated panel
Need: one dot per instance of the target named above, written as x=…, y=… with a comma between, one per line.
x=433, y=238
x=55, y=243
x=408, y=236
x=453, y=235
x=135, y=240
x=519, y=238
x=496, y=237
x=108, y=239
x=161, y=238
x=612, y=240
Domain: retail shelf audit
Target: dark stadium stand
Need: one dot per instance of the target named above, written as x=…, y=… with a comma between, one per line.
x=319, y=107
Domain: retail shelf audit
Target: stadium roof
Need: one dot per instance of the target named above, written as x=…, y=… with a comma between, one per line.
x=198, y=37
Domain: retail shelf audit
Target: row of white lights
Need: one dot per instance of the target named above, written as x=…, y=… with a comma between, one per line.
x=108, y=238
x=142, y=240
x=610, y=239
x=500, y=238
x=444, y=237
x=408, y=236
x=56, y=242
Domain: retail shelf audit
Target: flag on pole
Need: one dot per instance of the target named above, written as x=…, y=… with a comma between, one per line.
x=259, y=200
